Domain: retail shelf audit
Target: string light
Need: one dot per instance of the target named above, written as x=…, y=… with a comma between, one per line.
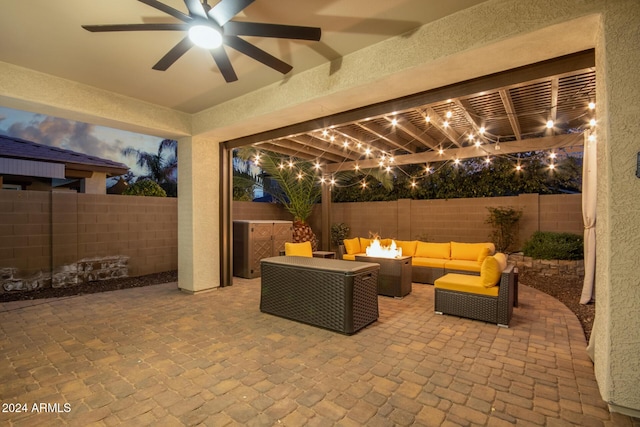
x=592, y=105
x=386, y=159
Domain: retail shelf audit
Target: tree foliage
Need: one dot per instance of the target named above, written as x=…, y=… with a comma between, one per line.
x=470, y=178
x=145, y=187
x=295, y=183
x=161, y=167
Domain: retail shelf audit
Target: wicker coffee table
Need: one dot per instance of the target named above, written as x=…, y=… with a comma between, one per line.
x=394, y=278
x=329, y=293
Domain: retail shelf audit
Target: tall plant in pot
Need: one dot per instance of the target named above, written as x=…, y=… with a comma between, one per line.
x=293, y=183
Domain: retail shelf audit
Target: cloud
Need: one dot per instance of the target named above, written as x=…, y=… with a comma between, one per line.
x=70, y=135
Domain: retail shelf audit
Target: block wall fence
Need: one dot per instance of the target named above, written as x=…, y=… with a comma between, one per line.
x=44, y=231
x=461, y=220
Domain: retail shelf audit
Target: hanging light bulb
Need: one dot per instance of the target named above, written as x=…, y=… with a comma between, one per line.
x=364, y=184
x=413, y=184
x=441, y=151
x=427, y=119
x=552, y=166
x=394, y=121
x=592, y=122
x=549, y=124
x=553, y=155
x=487, y=160
x=317, y=165
x=482, y=130
x=592, y=105
x=449, y=114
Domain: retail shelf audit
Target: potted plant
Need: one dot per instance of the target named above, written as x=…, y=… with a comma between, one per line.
x=339, y=232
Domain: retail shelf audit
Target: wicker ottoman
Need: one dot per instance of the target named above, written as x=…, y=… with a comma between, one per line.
x=333, y=294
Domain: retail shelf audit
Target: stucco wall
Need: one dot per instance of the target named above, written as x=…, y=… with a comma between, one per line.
x=615, y=340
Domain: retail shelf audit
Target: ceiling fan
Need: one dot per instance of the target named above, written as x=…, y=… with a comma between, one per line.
x=212, y=28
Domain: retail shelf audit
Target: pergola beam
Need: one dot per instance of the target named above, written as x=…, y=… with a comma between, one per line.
x=532, y=144
x=378, y=132
x=507, y=102
x=436, y=120
x=415, y=133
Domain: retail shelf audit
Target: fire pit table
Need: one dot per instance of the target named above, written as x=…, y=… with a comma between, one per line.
x=394, y=277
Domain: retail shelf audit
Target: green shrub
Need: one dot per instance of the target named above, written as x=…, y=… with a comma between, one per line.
x=549, y=245
x=504, y=222
x=339, y=232
x=146, y=187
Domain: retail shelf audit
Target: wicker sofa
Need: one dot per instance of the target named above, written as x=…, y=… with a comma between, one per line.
x=490, y=299
x=429, y=261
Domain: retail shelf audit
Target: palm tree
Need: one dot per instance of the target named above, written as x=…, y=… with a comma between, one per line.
x=161, y=167
x=296, y=184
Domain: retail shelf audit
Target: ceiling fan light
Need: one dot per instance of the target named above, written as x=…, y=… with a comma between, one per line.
x=205, y=36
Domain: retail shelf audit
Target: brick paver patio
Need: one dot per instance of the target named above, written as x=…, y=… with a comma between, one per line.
x=156, y=356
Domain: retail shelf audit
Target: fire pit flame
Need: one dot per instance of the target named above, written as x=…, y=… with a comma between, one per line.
x=375, y=249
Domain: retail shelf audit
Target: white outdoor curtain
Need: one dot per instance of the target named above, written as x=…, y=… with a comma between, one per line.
x=589, y=183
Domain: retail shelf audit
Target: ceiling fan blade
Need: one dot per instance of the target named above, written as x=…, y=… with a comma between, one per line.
x=224, y=64
x=167, y=9
x=256, y=53
x=227, y=9
x=196, y=8
x=173, y=55
x=235, y=28
x=135, y=27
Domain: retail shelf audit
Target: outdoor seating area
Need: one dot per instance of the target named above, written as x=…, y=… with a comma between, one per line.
x=157, y=356
x=429, y=260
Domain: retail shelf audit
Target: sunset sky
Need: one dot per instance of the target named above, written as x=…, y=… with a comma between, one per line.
x=100, y=141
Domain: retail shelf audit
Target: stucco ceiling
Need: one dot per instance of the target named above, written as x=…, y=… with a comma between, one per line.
x=47, y=36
